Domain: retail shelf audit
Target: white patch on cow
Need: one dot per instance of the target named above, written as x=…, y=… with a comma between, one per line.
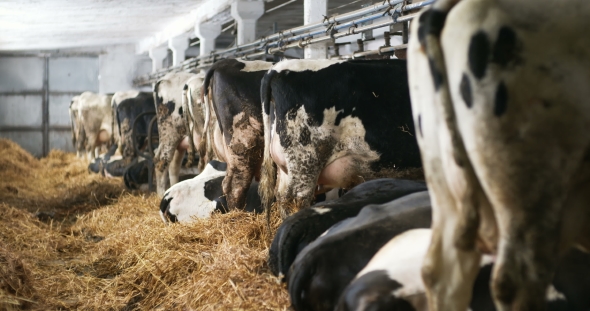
x=304, y=64
x=402, y=257
x=321, y=210
x=255, y=65
x=553, y=294
x=188, y=197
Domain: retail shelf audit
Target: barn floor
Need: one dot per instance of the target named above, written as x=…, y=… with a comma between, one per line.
x=71, y=240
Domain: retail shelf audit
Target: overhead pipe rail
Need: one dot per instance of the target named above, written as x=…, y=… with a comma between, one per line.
x=304, y=35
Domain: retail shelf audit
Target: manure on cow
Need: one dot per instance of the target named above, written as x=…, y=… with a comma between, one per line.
x=107, y=249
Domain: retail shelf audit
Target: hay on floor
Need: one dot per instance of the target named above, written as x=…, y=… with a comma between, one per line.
x=71, y=240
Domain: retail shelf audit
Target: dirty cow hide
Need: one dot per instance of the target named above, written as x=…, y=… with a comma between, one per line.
x=172, y=131
x=233, y=118
x=392, y=280
x=504, y=129
x=322, y=270
x=334, y=124
x=301, y=228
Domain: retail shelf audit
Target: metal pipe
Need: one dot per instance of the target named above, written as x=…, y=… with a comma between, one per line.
x=262, y=46
x=342, y=34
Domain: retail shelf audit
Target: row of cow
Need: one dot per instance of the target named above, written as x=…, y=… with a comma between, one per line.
x=364, y=251
x=501, y=125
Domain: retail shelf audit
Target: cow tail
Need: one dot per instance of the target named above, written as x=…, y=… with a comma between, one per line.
x=268, y=174
x=114, y=131
x=187, y=103
x=206, y=145
x=72, y=122
x=431, y=23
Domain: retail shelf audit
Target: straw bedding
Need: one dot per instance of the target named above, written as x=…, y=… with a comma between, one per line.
x=71, y=240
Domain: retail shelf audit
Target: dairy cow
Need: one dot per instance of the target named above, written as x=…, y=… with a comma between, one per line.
x=503, y=122
x=95, y=117
x=202, y=195
x=128, y=106
x=303, y=227
x=173, y=139
x=323, y=269
x=233, y=120
x=334, y=124
x=391, y=280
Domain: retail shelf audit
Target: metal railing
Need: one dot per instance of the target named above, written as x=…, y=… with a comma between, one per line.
x=331, y=28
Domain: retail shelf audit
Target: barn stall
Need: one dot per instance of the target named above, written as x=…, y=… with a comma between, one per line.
x=74, y=240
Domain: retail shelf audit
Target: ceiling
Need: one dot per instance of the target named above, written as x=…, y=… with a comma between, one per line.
x=59, y=24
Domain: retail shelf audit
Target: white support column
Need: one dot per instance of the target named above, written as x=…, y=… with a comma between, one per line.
x=207, y=32
x=157, y=55
x=246, y=13
x=178, y=45
x=314, y=11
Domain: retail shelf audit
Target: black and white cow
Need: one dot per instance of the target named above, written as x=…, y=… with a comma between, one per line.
x=303, y=227
x=128, y=106
x=172, y=129
x=202, y=195
x=233, y=120
x=334, y=124
x=503, y=123
x=392, y=281
x=324, y=268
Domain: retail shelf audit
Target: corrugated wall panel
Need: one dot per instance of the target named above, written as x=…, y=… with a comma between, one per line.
x=30, y=141
x=69, y=74
x=21, y=110
x=21, y=74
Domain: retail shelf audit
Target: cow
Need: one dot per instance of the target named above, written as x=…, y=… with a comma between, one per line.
x=127, y=106
x=323, y=269
x=172, y=129
x=201, y=196
x=303, y=227
x=95, y=116
x=334, y=124
x=78, y=134
x=136, y=174
x=233, y=120
x=504, y=129
x=392, y=281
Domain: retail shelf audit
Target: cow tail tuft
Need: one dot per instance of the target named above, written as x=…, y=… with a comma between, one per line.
x=187, y=104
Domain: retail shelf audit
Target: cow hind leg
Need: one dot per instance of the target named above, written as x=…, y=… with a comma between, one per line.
x=527, y=255
x=175, y=164
x=448, y=271
x=236, y=184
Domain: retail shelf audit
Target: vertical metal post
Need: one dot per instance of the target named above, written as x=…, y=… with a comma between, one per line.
x=45, y=106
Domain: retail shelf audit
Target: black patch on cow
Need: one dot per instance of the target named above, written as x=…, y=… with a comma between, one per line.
x=373, y=291
x=165, y=207
x=465, y=88
x=180, y=111
x=185, y=87
x=170, y=106
x=501, y=99
x=218, y=166
x=212, y=189
x=221, y=204
x=420, y=125
x=505, y=50
x=304, y=136
x=431, y=23
x=437, y=76
x=320, y=197
x=479, y=53
x=292, y=114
